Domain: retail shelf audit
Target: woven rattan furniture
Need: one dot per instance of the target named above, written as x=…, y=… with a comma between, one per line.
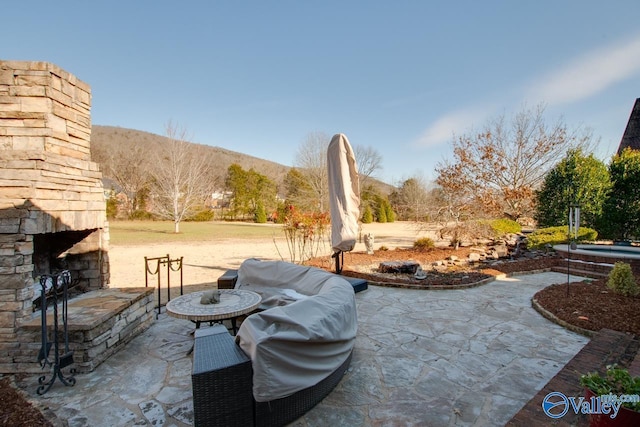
x=228, y=279
x=233, y=304
x=221, y=380
x=222, y=386
x=283, y=411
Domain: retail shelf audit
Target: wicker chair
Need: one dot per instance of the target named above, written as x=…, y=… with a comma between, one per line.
x=221, y=380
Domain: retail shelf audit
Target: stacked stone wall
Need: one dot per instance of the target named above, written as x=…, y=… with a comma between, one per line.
x=44, y=108
x=100, y=324
x=48, y=184
x=45, y=133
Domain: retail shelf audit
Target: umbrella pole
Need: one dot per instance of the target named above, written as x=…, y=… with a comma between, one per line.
x=339, y=256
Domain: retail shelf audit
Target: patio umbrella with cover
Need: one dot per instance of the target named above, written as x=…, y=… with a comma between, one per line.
x=344, y=196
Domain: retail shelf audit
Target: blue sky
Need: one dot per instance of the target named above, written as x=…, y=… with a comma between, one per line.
x=403, y=77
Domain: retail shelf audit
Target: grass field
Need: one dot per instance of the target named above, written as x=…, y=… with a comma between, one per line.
x=146, y=232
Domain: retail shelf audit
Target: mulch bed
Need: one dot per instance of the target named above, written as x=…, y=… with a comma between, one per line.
x=364, y=266
x=433, y=280
x=15, y=410
x=592, y=306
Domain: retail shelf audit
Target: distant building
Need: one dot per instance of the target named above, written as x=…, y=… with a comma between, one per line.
x=221, y=199
x=631, y=136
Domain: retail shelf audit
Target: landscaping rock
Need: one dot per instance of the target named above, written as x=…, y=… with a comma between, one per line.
x=474, y=257
x=501, y=250
x=404, y=267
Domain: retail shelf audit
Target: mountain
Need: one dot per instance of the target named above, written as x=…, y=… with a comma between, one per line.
x=104, y=138
x=110, y=138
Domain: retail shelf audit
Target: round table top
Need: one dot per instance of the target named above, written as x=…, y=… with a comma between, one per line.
x=233, y=303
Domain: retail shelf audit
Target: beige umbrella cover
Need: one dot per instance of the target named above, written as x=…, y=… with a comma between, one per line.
x=344, y=194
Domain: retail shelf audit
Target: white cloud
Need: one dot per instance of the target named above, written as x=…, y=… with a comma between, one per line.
x=589, y=74
x=442, y=130
x=578, y=79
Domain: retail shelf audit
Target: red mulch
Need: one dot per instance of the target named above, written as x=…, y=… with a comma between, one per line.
x=16, y=411
x=362, y=265
x=592, y=306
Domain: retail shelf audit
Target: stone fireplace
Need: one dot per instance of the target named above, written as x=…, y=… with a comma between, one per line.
x=52, y=203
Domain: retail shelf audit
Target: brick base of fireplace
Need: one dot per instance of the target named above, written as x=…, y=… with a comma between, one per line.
x=100, y=322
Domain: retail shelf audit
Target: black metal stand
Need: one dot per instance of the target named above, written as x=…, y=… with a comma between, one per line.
x=164, y=260
x=59, y=284
x=339, y=256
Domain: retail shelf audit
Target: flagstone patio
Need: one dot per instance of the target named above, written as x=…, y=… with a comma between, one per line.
x=448, y=357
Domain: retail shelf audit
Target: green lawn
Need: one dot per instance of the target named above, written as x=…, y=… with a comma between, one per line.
x=145, y=232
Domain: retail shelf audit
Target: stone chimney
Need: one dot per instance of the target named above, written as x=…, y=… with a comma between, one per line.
x=52, y=203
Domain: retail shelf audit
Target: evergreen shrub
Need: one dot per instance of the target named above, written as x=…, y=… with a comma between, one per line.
x=557, y=235
x=504, y=226
x=367, y=215
x=621, y=280
x=424, y=244
x=201, y=215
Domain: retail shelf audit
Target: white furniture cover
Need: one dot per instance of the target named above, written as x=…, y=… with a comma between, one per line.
x=344, y=193
x=297, y=345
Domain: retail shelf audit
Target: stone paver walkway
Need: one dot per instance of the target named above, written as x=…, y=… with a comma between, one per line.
x=422, y=358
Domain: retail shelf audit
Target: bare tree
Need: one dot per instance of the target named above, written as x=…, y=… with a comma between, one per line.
x=369, y=161
x=178, y=177
x=454, y=200
x=311, y=159
x=129, y=168
x=505, y=163
x=411, y=200
x=127, y=164
x=454, y=196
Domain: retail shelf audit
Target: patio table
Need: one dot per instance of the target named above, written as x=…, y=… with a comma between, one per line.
x=233, y=304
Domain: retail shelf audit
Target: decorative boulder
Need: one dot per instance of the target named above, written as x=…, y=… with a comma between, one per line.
x=474, y=257
x=403, y=267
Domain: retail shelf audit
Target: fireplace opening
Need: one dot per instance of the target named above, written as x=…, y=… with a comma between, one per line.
x=76, y=251
x=51, y=249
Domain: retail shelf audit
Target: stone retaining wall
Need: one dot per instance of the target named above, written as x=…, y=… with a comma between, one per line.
x=598, y=264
